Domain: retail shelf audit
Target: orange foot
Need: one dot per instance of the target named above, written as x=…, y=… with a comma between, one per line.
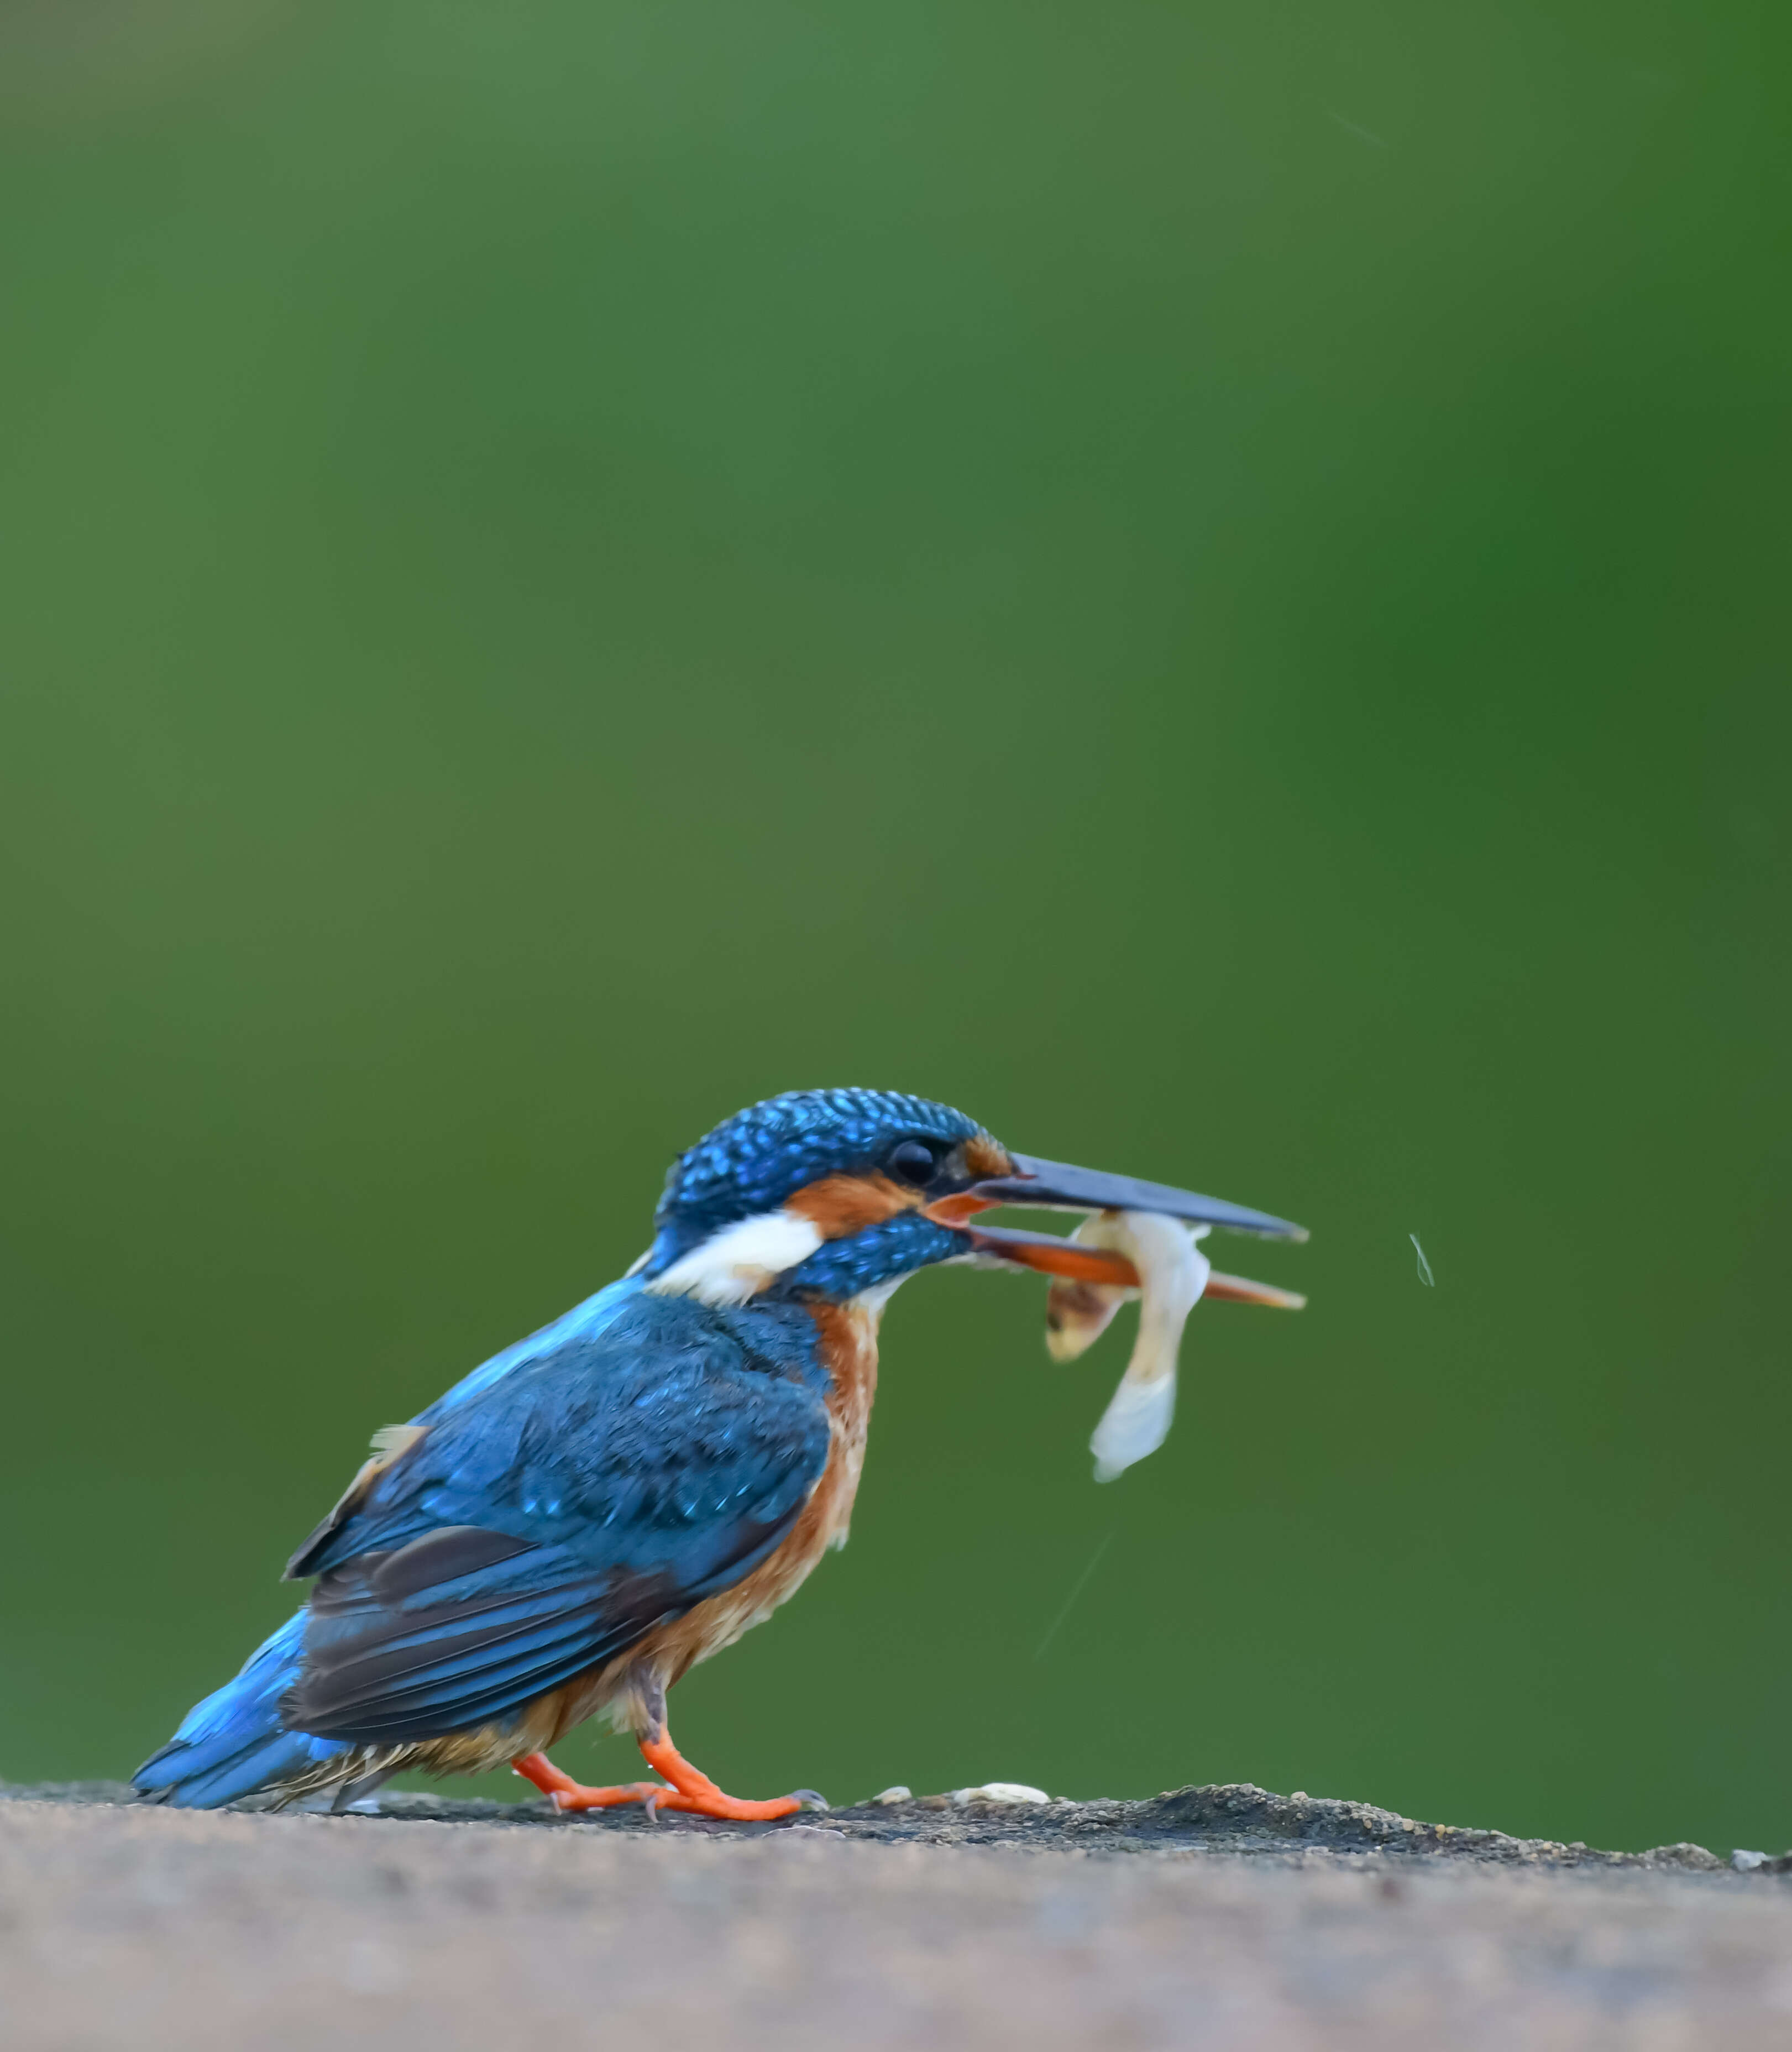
x=689, y=1790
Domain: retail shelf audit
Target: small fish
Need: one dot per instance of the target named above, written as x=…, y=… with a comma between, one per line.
x=1172, y=1273
x=1425, y=1274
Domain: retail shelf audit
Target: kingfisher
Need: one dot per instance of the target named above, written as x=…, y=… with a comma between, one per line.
x=582, y=1519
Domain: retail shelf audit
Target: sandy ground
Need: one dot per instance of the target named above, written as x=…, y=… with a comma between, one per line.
x=1220, y=1918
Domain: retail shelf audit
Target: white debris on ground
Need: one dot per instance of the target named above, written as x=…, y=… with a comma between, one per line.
x=999, y=1791
x=1173, y=1272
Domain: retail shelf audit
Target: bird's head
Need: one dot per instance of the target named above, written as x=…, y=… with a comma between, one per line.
x=837, y=1193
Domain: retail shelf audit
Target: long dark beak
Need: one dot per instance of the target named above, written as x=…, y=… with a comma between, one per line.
x=1056, y=1186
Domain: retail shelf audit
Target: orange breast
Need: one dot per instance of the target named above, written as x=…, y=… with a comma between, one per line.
x=848, y=1335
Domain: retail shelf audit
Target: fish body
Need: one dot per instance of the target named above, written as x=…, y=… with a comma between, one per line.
x=1172, y=1273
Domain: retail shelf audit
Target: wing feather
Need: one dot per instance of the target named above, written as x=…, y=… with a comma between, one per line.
x=548, y=1520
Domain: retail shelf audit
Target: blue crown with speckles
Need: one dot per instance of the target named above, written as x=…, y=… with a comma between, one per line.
x=752, y=1162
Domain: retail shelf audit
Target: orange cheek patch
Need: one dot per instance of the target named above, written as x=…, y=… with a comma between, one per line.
x=838, y=1205
x=985, y=1156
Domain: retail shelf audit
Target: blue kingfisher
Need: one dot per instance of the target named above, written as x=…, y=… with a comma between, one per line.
x=579, y=1522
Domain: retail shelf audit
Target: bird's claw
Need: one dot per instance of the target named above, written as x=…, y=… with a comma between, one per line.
x=684, y=1788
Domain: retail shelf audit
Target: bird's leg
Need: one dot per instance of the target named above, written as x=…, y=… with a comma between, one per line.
x=689, y=1789
x=565, y=1793
x=693, y=1790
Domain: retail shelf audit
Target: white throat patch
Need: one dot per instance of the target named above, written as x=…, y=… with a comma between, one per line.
x=740, y=1260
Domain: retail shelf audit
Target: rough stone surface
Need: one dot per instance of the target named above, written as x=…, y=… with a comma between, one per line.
x=1230, y=1919
x=1234, y=1818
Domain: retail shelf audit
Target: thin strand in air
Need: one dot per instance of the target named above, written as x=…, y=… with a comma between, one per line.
x=1077, y=1589
x=1425, y=1274
x=1355, y=128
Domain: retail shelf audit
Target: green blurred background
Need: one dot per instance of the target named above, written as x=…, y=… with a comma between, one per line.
x=1205, y=581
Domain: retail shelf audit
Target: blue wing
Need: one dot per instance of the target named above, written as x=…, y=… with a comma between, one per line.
x=545, y=1520
x=637, y=1455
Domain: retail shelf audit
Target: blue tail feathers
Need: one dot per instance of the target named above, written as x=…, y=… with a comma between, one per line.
x=234, y=1742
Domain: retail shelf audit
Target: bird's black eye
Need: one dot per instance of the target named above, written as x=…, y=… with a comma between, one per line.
x=913, y=1161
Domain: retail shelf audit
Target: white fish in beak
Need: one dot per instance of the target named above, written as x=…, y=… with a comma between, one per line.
x=1173, y=1271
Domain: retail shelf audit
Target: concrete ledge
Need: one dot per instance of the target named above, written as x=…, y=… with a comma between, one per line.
x=1225, y=1920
